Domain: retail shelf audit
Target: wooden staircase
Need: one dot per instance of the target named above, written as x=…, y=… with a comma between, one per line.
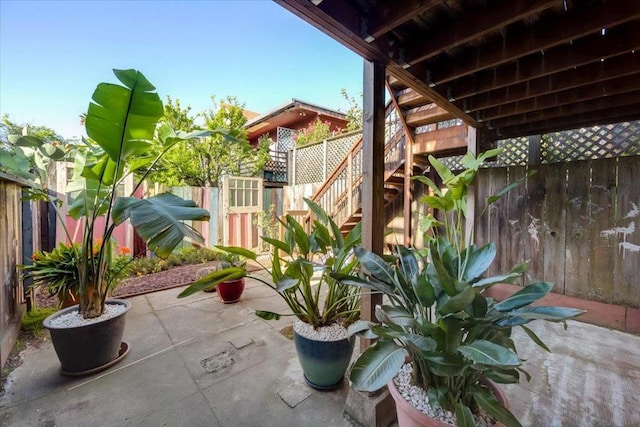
x=411, y=120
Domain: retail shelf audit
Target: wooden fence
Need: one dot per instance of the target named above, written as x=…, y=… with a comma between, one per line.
x=23, y=229
x=576, y=223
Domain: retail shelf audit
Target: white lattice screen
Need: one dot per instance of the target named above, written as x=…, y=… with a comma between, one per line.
x=598, y=142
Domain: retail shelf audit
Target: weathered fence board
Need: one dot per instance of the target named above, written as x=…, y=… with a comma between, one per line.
x=602, y=248
x=626, y=275
x=576, y=275
x=553, y=225
x=576, y=224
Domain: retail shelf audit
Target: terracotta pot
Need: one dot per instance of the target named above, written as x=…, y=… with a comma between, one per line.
x=230, y=291
x=323, y=362
x=409, y=416
x=92, y=347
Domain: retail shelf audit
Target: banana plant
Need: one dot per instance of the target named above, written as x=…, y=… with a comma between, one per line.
x=121, y=122
x=437, y=315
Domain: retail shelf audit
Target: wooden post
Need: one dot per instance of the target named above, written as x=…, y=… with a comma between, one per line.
x=373, y=214
x=534, y=150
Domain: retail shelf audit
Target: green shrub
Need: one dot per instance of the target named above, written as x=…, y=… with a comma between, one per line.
x=183, y=256
x=32, y=320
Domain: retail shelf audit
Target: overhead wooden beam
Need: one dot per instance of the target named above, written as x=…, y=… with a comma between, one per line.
x=617, y=41
x=340, y=21
x=451, y=140
x=390, y=16
x=421, y=87
x=573, y=122
x=586, y=93
x=427, y=114
x=601, y=71
x=572, y=25
x=476, y=22
x=572, y=109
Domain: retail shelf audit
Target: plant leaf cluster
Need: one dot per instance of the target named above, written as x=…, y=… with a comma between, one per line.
x=436, y=313
x=122, y=122
x=303, y=269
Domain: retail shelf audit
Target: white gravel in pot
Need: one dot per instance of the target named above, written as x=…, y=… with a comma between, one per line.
x=418, y=398
x=332, y=332
x=74, y=318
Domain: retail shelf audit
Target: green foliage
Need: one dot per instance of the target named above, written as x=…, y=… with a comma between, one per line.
x=437, y=314
x=304, y=274
x=202, y=161
x=314, y=132
x=354, y=112
x=268, y=223
x=28, y=151
x=182, y=256
x=57, y=272
x=32, y=320
x=122, y=122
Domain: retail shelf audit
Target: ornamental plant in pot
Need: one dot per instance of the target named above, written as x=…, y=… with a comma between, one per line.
x=301, y=269
x=231, y=290
x=441, y=344
x=56, y=272
x=121, y=122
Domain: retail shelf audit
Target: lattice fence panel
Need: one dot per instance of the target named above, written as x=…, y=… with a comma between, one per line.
x=284, y=138
x=338, y=148
x=598, y=142
x=309, y=164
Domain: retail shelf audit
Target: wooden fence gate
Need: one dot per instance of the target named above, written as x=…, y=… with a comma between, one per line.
x=241, y=203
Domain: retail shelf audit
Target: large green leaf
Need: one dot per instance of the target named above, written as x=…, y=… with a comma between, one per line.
x=479, y=261
x=529, y=294
x=375, y=265
x=490, y=404
x=371, y=283
x=424, y=291
x=450, y=305
x=317, y=210
x=211, y=280
x=377, y=366
x=158, y=220
x=396, y=315
x=487, y=353
x=122, y=120
x=464, y=417
x=445, y=365
x=237, y=250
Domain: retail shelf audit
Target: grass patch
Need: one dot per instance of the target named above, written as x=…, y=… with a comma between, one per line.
x=32, y=320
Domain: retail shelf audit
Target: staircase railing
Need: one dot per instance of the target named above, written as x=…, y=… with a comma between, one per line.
x=340, y=195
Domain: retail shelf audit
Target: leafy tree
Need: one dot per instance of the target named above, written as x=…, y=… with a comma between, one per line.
x=314, y=132
x=354, y=112
x=203, y=161
x=27, y=151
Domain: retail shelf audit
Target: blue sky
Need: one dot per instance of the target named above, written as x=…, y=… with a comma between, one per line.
x=53, y=53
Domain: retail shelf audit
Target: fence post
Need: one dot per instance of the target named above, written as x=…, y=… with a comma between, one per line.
x=534, y=150
x=294, y=161
x=325, y=149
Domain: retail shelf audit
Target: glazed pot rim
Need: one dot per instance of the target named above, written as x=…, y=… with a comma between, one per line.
x=47, y=322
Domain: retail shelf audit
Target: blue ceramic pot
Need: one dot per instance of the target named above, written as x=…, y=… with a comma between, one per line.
x=323, y=362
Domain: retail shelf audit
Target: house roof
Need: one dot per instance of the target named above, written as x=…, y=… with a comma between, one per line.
x=288, y=114
x=509, y=68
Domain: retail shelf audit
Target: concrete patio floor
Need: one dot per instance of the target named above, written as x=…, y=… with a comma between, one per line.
x=197, y=362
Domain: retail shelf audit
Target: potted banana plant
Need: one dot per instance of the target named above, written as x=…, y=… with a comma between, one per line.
x=442, y=345
x=301, y=269
x=121, y=122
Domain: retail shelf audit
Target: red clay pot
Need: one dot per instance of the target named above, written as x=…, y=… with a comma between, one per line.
x=230, y=291
x=408, y=416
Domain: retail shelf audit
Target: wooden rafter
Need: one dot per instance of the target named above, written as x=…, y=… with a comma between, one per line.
x=394, y=14
x=561, y=30
x=601, y=71
x=477, y=22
